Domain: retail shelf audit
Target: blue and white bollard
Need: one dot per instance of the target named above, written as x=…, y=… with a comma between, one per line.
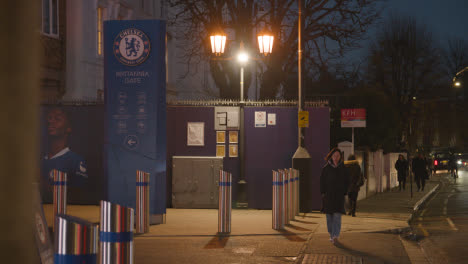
x=225, y=202
x=116, y=234
x=285, y=196
x=60, y=192
x=76, y=240
x=291, y=194
x=142, y=202
x=277, y=209
x=296, y=192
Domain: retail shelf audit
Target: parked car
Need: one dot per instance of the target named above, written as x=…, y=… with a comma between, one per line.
x=441, y=161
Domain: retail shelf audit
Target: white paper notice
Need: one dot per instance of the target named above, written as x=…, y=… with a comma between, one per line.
x=272, y=119
x=260, y=119
x=233, y=119
x=196, y=134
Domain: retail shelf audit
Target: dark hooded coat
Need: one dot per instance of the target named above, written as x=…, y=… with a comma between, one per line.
x=355, y=175
x=402, y=168
x=334, y=183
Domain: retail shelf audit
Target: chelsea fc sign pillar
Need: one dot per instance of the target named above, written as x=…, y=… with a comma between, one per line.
x=135, y=103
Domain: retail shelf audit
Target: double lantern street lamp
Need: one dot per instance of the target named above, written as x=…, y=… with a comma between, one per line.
x=265, y=45
x=218, y=43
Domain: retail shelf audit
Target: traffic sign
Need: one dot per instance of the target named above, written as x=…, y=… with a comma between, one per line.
x=303, y=119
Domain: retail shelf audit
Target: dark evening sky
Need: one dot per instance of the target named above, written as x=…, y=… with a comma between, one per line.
x=444, y=17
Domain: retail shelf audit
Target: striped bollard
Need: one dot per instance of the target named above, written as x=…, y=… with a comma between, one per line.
x=142, y=202
x=291, y=194
x=76, y=240
x=296, y=187
x=60, y=192
x=278, y=222
x=225, y=202
x=116, y=234
x=285, y=196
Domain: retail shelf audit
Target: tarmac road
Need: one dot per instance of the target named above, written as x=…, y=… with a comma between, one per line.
x=443, y=221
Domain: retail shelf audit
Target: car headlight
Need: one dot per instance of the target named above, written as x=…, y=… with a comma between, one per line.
x=459, y=162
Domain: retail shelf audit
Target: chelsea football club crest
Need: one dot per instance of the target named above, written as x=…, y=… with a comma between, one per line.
x=131, y=47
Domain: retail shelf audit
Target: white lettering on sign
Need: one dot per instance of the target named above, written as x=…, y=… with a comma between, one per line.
x=132, y=74
x=353, y=117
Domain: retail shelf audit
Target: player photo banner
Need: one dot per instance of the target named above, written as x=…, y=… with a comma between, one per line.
x=135, y=105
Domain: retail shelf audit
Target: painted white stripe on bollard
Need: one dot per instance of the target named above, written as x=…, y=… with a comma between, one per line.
x=142, y=202
x=116, y=234
x=284, y=197
x=277, y=215
x=291, y=194
x=60, y=192
x=76, y=240
x=296, y=187
x=225, y=202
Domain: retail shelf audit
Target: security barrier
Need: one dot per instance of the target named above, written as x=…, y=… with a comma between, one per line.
x=295, y=174
x=116, y=234
x=142, y=202
x=76, y=240
x=278, y=205
x=60, y=192
x=291, y=193
x=225, y=202
x=285, y=197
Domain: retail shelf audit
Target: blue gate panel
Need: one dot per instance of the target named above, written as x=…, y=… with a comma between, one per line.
x=135, y=103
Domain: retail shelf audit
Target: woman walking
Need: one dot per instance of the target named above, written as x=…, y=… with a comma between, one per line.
x=401, y=166
x=334, y=183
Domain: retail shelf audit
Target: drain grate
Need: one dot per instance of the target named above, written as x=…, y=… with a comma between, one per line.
x=330, y=258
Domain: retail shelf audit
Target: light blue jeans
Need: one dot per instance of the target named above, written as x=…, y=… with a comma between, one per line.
x=334, y=224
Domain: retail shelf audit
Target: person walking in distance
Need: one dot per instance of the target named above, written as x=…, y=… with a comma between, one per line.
x=401, y=165
x=356, y=181
x=419, y=171
x=334, y=182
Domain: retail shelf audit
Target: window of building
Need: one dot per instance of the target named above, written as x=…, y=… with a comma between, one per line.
x=50, y=17
x=100, y=31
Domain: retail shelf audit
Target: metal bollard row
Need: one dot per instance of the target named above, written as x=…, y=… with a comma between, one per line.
x=291, y=194
x=278, y=205
x=75, y=240
x=285, y=197
x=142, y=202
x=295, y=174
x=60, y=192
x=225, y=202
x=116, y=234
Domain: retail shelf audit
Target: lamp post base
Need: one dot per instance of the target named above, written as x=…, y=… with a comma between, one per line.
x=242, y=202
x=301, y=162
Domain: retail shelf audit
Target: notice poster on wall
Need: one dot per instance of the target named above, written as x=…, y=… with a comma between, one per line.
x=220, y=151
x=220, y=137
x=271, y=119
x=195, y=134
x=260, y=119
x=233, y=151
x=233, y=137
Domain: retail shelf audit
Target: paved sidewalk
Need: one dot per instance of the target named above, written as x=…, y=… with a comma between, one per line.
x=374, y=235
x=190, y=235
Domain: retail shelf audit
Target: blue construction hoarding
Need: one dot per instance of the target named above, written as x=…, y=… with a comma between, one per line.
x=135, y=106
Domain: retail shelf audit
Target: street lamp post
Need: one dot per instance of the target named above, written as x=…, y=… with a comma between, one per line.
x=301, y=158
x=265, y=42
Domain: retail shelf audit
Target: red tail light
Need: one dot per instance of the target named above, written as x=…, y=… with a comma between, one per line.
x=436, y=162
